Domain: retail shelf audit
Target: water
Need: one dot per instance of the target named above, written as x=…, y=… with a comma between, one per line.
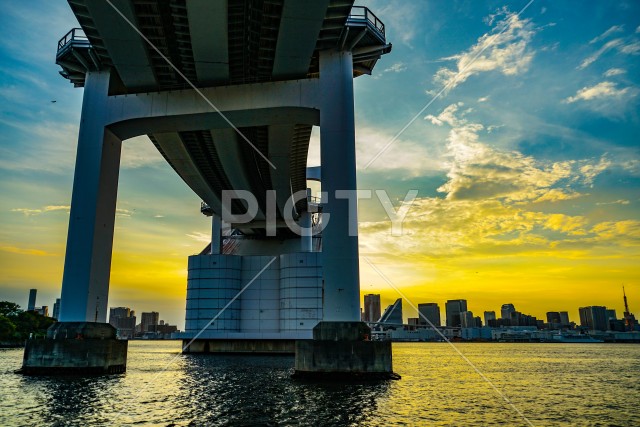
x=551, y=384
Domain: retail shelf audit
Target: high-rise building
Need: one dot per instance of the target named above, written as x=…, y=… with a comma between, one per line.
x=429, y=311
x=594, y=317
x=124, y=320
x=393, y=314
x=149, y=319
x=611, y=314
x=506, y=310
x=371, y=308
x=467, y=320
x=553, y=317
x=489, y=316
x=56, y=309
x=31, y=306
x=564, y=318
x=44, y=310
x=453, y=309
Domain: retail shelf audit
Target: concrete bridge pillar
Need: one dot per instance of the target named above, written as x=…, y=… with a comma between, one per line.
x=85, y=283
x=338, y=159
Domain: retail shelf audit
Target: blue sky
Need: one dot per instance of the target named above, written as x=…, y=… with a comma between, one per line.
x=527, y=166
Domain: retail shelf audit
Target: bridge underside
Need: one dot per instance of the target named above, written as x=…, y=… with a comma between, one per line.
x=218, y=44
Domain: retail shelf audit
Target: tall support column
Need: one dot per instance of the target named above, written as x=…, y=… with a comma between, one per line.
x=338, y=157
x=216, y=235
x=87, y=266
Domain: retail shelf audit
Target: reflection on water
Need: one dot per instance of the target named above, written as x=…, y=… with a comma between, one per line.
x=552, y=384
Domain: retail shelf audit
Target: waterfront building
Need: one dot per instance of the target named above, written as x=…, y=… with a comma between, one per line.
x=371, y=308
x=594, y=318
x=124, y=320
x=521, y=319
x=56, y=309
x=31, y=306
x=453, y=309
x=553, y=317
x=467, y=320
x=392, y=315
x=489, y=316
x=610, y=313
x=506, y=310
x=429, y=311
x=149, y=319
x=564, y=318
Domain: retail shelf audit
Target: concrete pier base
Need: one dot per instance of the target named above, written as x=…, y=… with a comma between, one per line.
x=342, y=351
x=240, y=346
x=76, y=348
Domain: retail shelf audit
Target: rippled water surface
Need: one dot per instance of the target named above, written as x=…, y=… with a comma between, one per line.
x=550, y=384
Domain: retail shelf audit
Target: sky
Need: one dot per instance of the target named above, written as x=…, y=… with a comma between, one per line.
x=516, y=122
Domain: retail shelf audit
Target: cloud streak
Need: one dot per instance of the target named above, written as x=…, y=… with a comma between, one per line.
x=506, y=50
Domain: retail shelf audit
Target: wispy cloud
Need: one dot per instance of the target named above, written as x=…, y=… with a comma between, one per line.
x=200, y=237
x=398, y=67
x=628, y=45
x=616, y=202
x=601, y=90
x=23, y=251
x=614, y=72
x=613, y=30
x=505, y=49
x=44, y=209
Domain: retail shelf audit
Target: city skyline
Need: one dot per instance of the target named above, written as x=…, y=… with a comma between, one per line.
x=527, y=166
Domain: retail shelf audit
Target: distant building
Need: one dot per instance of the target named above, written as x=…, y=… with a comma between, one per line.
x=124, y=320
x=149, y=319
x=467, y=320
x=393, y=314
x=31, y=306
x=611, y=314
x=594, y=318
x=56, y=309
x=44, y=310
x=553, y=317
x=488, y=317
x=564, y=318
x=506, y=310
x=453, y=309
x=521, y=319
x=431, y=312
x=371, y=308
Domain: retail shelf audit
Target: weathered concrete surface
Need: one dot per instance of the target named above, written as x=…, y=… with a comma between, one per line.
x=76, y=348
x=240, y=346
x=341, y=350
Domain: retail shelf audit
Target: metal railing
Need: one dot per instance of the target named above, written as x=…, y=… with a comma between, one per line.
x=362, y=13
x=75, y=35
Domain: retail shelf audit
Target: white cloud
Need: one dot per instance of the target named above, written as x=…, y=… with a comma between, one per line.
x=616, y=202
x=612, y=30
x=396, y=68
x=594, y=57
x=483, y=99
x=632, y=48
x=590, y=171
x=477, y=171
x=200, y=237
x=638, y=29
x=601, y=90
x=614, y=72
x=44, y=209
x=506, y=50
